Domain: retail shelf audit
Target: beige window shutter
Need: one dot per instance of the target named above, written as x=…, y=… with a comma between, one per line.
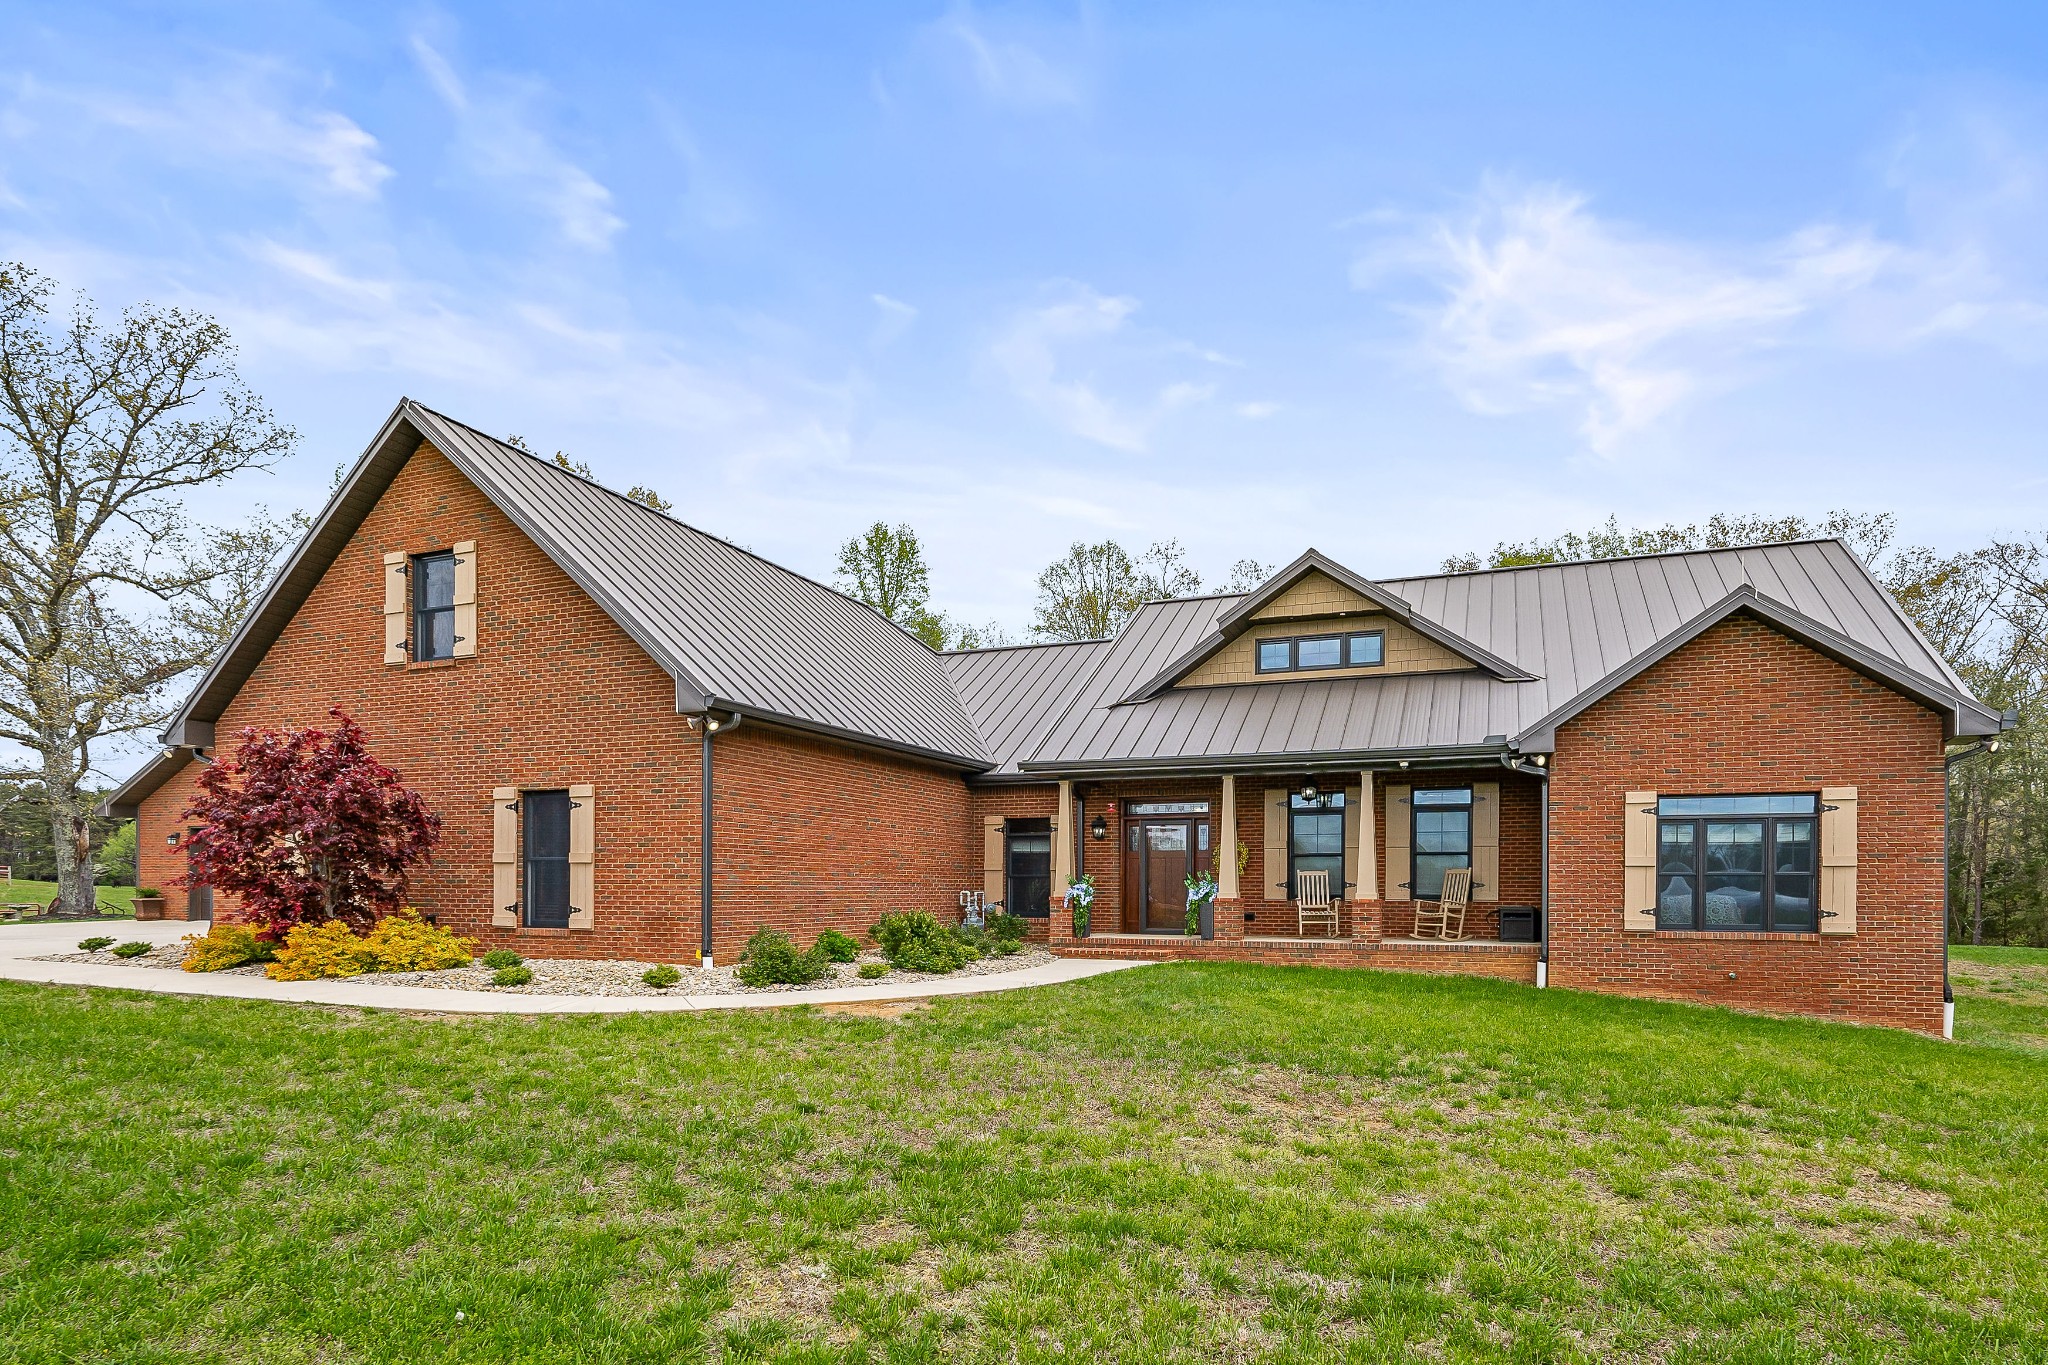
x=505, y=858
x=1838, y=860
x=582, y=855
x=1354, y=873
x=1368, y=877
x=1639, y=862
x=465, y=599
x=1276, y=887
x=1486, y=841
x=1400, y=838
x=993, y=876
x=394, y=607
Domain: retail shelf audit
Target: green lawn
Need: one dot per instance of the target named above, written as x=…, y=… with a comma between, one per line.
x=1190, y=1162
x=115, y=901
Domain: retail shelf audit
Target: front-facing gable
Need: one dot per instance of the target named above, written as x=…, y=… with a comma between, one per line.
x=1315, y=596
x=731, y=629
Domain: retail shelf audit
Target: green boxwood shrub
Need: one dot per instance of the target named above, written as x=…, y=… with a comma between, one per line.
x=661, y=977
x=135, y=949
x=1007, y=930
x=870, y=970
x=94, y=944
x=837, y=946
x=770, y=959
x=915, y=941
x=502, y=957
x=512, y=976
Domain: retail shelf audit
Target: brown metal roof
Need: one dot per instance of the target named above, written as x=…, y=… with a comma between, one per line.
x=736, y=631
x=1575, y=630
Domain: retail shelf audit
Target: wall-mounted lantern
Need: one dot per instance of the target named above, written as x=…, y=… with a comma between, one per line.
x=1098, y=828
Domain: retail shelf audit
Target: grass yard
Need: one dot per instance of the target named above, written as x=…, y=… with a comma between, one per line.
x=115, y=901
x=1190, y=1162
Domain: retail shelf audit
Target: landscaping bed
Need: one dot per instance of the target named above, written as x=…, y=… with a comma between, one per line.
x=575, y=976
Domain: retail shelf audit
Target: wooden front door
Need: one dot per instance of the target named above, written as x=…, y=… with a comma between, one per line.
x=1159, y=855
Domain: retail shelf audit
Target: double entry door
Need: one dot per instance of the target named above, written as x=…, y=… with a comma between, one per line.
x=1160, y=853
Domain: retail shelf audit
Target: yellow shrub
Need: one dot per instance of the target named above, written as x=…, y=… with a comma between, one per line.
x=224, y=946
x=406, y=943
x=313, y=951
x=397, y=943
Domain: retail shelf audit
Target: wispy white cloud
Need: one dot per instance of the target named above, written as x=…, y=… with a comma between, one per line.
x=1536, y=301
x=1256, y=411
x=1544, y=303
x=1077, y=321
x=1014, y=62
x=244, y=120
x=498, y=141
x=893, y=319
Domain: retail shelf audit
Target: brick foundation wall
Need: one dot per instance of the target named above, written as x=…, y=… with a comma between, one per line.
x=1745, y=709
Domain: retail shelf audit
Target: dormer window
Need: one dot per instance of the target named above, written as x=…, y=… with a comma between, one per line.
x=1311, y=653
x=433, y=606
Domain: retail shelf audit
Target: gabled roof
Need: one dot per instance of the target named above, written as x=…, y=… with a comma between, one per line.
x=733, y=630
x=1573, y=631
x=1246, y=609
x=737, y=632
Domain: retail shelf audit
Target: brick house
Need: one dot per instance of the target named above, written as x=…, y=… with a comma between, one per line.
x=1712, y=776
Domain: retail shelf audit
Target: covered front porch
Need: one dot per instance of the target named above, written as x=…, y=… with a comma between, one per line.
x=1383, y=836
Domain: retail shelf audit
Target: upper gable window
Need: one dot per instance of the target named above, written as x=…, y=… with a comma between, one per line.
x=1310, y=653
x=433, y=606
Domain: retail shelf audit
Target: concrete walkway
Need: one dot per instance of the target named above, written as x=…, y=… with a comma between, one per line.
x=20, y=942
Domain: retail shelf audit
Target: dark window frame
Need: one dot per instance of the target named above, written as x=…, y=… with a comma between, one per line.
x=1416, y=807
x=1327, y=802
x=1697, y=822
x=423, y=613
x=1342, y=638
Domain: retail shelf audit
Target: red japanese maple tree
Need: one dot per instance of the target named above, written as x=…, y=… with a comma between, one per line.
x=303, y=825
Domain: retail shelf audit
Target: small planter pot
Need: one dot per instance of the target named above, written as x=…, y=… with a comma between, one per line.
x=1081, y=925
x=149, y=907
x=1209, y=920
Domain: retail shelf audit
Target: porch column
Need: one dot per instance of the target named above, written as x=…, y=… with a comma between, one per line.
x=1063, y=833
x=1229, y=903
x=1061, y=927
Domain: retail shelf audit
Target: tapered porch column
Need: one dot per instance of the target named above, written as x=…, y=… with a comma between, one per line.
x=1065, y=830
x=1229, y=901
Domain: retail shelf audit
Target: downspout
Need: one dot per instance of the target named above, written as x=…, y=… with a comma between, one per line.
x=1543, y=895
x=1948, y=990
x=1539, y=768
x=710, y=725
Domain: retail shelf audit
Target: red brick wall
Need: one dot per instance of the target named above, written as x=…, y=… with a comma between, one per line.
x=808, y=834
x=1745, y=709
x=811, y=835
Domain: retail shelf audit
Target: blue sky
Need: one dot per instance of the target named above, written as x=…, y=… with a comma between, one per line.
x=1390, y=281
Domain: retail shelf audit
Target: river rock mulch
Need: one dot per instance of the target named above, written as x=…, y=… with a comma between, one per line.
x=573, y=976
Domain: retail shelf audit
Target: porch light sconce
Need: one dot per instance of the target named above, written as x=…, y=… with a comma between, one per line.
x=1404, y=762
x=1098, y=828
x=1310, y=791
x=171, y=839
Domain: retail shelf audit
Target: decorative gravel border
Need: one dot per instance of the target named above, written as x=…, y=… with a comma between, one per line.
x=577, y=976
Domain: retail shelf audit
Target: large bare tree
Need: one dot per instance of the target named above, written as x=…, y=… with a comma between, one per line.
x=109, y=591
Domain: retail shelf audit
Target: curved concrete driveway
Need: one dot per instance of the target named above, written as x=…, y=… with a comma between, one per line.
x=21, y=942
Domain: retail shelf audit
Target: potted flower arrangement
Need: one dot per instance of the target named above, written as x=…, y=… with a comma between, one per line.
x=1080, y=898
x=1201, y=916
x=149, y=903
